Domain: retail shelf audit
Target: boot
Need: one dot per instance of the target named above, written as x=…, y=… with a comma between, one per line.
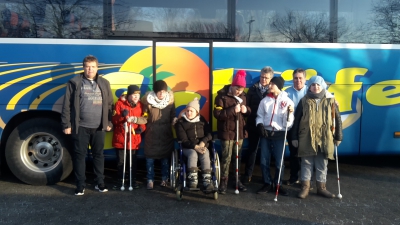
x=305, y=189
x=223, y=186
x=207, y=182
x=192, y=178
x=321, y=190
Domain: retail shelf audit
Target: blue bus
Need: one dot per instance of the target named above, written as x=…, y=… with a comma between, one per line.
x=196, y=47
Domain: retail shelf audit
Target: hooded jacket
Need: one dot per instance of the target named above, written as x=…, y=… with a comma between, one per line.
x=224, y=112
x=70, y=110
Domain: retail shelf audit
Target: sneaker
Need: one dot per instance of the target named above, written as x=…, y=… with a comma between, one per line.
x=246, y=180
x=150, y=185
x=265, y=189
x=135, y=185
x=282, y=191
x=292, y=182
x=80, y=191
x=101, y=188
x=164, y=183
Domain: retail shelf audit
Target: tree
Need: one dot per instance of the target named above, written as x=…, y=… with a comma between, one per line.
x=387, y=18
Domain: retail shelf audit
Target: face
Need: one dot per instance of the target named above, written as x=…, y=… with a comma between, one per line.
x=90, y=70
x=134, y=98
x=299, y=81
x=190, y=112
x=273, y=89
x=161, y=94
x=237, y=90
x=265, y=78
x=315, y=88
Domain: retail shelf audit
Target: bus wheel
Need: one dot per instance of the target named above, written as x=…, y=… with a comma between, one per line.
x=37, y=153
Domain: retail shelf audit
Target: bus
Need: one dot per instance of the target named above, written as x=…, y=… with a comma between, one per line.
x=196, y=47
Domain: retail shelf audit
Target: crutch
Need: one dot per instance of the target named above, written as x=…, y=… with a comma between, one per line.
x=239, y=100
x=131, y=132
x=123, y=174
x=283, y=153
x=337, y=159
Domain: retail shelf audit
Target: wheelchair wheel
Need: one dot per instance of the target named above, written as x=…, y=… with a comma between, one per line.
x=174, y=173
x=216, y=195
x=217, y=168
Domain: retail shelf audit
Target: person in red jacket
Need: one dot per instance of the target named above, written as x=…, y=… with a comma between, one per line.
x=128, y=109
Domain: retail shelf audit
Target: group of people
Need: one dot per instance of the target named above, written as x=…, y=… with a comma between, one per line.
x=308, y=114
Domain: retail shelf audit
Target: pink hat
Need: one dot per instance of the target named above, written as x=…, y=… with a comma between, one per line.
x=240, y=79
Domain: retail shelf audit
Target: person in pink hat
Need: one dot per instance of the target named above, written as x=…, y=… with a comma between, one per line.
x=230, y=106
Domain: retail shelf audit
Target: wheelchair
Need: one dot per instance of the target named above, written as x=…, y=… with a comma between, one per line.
x=178, y=171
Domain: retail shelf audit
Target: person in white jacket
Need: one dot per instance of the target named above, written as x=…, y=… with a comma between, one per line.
x=273, y=118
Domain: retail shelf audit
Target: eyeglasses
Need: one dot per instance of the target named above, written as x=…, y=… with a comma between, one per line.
x=265, y=78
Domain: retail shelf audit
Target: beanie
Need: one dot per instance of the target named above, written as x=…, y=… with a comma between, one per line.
x=240, y=79
x=159, y=86
x=318, y=80
x=133, y=89
x=278, y=81
x=194, y=104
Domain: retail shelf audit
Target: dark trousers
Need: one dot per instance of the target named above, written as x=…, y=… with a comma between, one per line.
x=120, y=165
x=81, y=141
x=253, y=140
x=293, y=159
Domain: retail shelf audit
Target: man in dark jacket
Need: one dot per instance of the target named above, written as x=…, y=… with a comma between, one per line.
x=86, y=115
x=254, y=96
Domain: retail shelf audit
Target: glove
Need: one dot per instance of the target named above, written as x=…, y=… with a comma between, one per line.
x=131, y=119
x=202, y=144
x=261, y=130
x=295, y=143
x=337, y=143
x=199, y=149
x=125, y=113
x=138, y=130
x=174, y=121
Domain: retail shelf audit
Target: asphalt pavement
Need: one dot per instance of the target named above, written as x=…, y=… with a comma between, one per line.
x=370, y=187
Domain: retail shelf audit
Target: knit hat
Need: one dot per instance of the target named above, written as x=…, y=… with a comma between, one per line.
x=240, y=79
x=317, y=80
x=133, y=89
x=159, y=86
x=194, y=104
x=278, y=81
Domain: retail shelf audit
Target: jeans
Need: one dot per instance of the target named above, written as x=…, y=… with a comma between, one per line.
x=319, y=162
x=81, y=141
x=150, y=169
x=193, y=157
x=271, y=147
x=120, y=165
x=229, y=147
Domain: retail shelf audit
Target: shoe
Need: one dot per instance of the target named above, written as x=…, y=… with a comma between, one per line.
x=150, y=185
x=246, y=180
x=292, y=181
x=265, y=189
x=282, y=191
x=80, y=191
x=135, y=185
x=164, y=183
x=241, y=187
x=101, y=188
x=223, y=185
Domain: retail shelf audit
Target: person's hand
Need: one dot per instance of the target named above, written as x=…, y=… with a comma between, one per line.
x=125, y=113
x=261, y=130
x=295, y=143
x=174, y=121
x=138, y=130
x=243, y=109
x=337, y=143
x=202, y=144
x=67, y=130
x=131, y=119
x=199, y=149
x=237, y=108
x=291, y=108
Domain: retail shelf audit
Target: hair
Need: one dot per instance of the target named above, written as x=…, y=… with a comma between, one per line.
x=90, y=58
x=267, y=69
x=300, y=70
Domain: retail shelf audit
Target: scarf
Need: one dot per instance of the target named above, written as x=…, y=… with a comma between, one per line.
x=195, y=119
x=316, y=95
x=157, y=103
x=262, y=88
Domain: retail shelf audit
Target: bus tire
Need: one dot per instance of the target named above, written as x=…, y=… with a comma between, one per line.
x=37, y=152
